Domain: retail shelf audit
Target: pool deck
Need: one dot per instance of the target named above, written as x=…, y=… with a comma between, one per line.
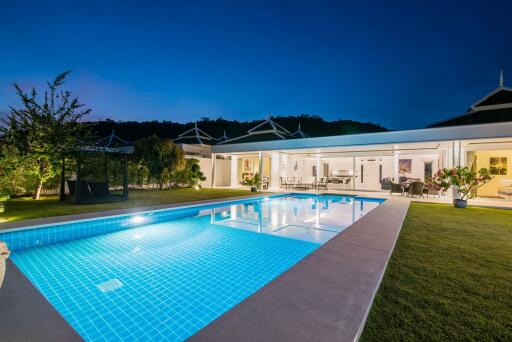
x=25, y=315
x=327, y=295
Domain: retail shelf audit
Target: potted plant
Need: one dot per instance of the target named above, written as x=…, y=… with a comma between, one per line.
x=253, y=182
x=464, y=180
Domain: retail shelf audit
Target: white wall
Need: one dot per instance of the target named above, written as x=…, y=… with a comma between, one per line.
x=337, y=164
x=222, y=171
x=418, y=164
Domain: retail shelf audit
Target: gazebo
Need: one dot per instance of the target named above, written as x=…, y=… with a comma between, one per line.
x=88, y=192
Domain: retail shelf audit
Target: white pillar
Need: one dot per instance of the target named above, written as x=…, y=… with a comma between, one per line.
x=234, y=171
x=462, y=154
x=456, y=153
x=260, y=168
x=317, y=176
x=213, y=171
x=275, y=171
x=284, y=162
x=354, y=173
x=395, y=167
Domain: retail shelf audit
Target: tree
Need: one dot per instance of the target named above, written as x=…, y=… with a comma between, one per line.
x=160, y=157
x=190, y=174
x=465, y=180
x=43, y=131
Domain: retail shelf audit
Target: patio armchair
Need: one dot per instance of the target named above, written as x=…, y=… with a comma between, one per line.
x=385, y=183
x=432, y=189
x=265, y=182
x=322, y=184
x=307, y=182
x=416, y=189
x=285, y=183
x=396, y=189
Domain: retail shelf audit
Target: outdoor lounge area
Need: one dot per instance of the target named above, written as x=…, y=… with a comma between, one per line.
x=397, y=163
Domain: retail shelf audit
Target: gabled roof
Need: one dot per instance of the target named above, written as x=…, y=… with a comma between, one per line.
x=223, y=138
x=110, y=144
x=269, y=125
x=499, y=96
x=195, y=136
x=113, y=140
x=267, y=130
x=299, y=133
x=493, y=107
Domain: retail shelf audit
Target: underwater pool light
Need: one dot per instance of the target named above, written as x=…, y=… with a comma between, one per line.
x=138, y=219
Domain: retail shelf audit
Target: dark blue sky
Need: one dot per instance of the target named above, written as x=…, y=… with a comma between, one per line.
x=401, y=65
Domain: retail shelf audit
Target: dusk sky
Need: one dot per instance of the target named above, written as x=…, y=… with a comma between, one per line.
x=400, y=64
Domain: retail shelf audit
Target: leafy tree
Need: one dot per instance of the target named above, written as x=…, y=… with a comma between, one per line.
x=138, y=173
x=190, y=174
x=44, y=130
x=160, y=157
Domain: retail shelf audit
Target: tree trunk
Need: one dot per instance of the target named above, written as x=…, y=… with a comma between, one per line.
x=62, y=192
x=38, y=190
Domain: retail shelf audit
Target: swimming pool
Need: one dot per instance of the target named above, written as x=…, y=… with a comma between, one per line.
x=164, y=275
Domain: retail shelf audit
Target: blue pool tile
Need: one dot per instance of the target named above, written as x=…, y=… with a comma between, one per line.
x=175, y=270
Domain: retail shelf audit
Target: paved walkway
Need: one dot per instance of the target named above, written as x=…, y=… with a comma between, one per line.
x=25, y=315
x=327, y=295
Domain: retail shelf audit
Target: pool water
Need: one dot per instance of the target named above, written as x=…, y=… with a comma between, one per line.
x=152, y=280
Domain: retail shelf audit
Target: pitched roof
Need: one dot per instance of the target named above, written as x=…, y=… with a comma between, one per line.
x=493, y=107
x=223, y=138
x=195, y=136
x=299, y=133
x=267, y=130
x=110, y=144
x=499, y=96
x=478, y=117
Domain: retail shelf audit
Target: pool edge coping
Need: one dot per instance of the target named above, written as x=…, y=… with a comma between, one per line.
x=51, y=311
x=7, y=227
x=225, y=329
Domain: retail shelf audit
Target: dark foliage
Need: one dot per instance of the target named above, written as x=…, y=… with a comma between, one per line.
x=313, y=125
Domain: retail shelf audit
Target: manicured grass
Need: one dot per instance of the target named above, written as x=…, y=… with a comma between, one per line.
x=26, y=208
x=449, y=278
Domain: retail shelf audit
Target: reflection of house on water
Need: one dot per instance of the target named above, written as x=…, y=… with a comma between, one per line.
x=304, y=218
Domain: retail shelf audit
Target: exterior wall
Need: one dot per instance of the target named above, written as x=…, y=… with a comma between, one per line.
x=303, y=167
x=222, y=171
x=418, y=164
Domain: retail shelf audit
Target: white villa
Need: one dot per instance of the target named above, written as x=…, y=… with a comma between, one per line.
x=481, y=137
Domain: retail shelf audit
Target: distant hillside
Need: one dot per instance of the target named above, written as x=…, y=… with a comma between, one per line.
x=313, y=125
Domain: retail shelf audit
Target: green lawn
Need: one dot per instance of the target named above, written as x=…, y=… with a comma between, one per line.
x=26, y=208
x=449, y=278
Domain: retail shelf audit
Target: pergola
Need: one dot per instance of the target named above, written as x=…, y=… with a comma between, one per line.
x=85, y=192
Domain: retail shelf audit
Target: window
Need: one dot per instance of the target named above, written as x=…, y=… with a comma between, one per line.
x=362, y=173
x=428, y=171
x=326, y=170
x=314, y=170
